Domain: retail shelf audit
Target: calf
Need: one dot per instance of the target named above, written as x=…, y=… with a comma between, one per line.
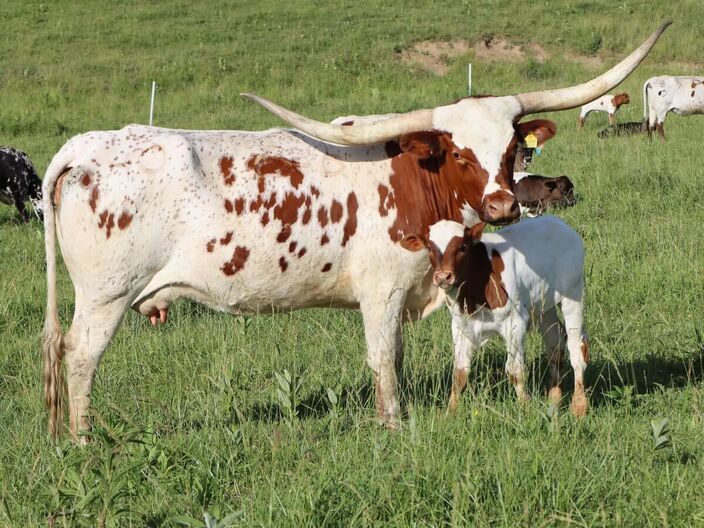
x=606, y=103
x=536, y=193
x=504, y=282
x=19, y=182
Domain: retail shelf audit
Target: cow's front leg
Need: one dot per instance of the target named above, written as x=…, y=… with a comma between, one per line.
x=382, y=331
x=462, y=340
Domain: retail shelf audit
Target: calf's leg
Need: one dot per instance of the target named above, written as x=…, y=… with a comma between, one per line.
x=514, y=333
x=463, y=350
x=554, y=339
x=578, y=347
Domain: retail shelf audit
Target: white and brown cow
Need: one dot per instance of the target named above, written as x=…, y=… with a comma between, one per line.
x=661, y=95
x=608, y=104
x=275, y=220
x=506, y=282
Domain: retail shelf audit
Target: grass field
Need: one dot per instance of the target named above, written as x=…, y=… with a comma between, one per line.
x=190, y=418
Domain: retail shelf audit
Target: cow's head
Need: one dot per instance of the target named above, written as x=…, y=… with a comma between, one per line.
x=620, y=99
x=483, y=130
x=560, y=192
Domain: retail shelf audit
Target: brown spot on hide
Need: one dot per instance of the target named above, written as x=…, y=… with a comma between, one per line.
x=350, y=227
x=584, y=346
x=228, y=206
x=228, y=175
x=322, y=216
x=94, y=195
x=226, y=239
x=239, y=206
x=324, y=239
x=347, y=123
x=335, y=211
x=302, y=252
x=57, y=189
x=292, y=246
x=306, y=216
x=124, y=220
x=692, y=93
x=315, y=191
x=283, y=264
x=264, y=165
x=327, y=267
x=386, y=200
x=210, y=246
x=237, y=262
x=284, y=234
x=85, y=179
x=107, y=221
x=265, y=218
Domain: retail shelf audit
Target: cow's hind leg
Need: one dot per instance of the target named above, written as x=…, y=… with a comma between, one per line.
x=553, y=333
x=513, y=334
x=93, y=326
x=579, y=352
x=382, y=331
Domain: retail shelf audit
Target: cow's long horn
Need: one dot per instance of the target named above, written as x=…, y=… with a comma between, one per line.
x=364, y=134
x=566, y=98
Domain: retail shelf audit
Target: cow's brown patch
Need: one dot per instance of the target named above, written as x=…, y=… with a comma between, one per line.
x=85, y=179
x=584, y=347
x=315, y=191
x=324, y=239
x=226, y=239
x=210, y=246
x=692, y=93
x=283, y=264
x=350, y=227
x=226, y=164
x=263, y=165
x=284, y=234
x=335, y=211
x=265, y=218
x=302, y=252
x=327, y=267
x=229, y=207
x=94, y=195
x=124, y=220
x=386, y=200
x=292, y=246
x=322, y=216
x=107, y=221
x=237, y=262
x=239, y=206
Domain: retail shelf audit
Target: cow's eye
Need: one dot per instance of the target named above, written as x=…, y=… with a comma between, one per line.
x=456, y=155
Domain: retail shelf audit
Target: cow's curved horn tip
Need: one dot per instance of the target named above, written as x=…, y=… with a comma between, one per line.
x=665, y=24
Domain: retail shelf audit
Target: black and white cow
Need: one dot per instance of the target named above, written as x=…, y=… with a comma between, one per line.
x=19, y=182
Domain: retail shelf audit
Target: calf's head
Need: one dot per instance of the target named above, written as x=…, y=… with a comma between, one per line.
x=620, y=99
x=450, y=246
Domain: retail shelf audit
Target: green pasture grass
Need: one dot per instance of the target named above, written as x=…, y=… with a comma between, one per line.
x=191, y=418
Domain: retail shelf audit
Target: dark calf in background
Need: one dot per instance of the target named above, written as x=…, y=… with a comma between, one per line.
x=536, y=193
x=19, y=182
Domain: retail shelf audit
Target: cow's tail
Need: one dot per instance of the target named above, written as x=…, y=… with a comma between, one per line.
x=52, y=345
x=646, y=111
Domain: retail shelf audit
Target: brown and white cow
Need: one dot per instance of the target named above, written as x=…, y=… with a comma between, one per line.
x=608, y=104
x=275, y=220
x=661, y=95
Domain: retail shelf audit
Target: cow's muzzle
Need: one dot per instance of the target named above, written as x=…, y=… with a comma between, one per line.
x=444, y=279
x=500, y=207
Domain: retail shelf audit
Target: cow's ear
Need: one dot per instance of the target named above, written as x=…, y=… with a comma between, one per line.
x=422, y=144
x=550, y=185
x=542, y=129
x=413, y=243
x=474, y=234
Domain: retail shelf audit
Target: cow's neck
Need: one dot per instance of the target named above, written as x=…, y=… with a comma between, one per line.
x=480, y=282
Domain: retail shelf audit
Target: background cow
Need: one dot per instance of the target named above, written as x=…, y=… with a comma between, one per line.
x=681, y=95
x=606, y=103
x=536, y=193
x=276, y=220
x=19, y=182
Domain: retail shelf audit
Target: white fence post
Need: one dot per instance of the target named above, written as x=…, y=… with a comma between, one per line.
x=151, y=105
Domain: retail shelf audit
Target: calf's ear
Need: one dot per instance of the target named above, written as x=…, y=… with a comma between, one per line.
x=413, y=243
x=550, y=185
x=474, y=234
x=422, y=144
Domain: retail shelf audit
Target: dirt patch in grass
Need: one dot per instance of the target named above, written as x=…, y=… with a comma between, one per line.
x=432, y=55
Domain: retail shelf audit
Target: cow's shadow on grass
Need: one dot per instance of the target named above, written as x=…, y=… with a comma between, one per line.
x=605, y=380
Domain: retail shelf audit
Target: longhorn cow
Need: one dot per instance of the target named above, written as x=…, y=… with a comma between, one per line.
x=661, y=95
x=249, y=222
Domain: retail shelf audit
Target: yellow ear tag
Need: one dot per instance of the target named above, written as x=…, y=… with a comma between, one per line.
x=531, y=141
